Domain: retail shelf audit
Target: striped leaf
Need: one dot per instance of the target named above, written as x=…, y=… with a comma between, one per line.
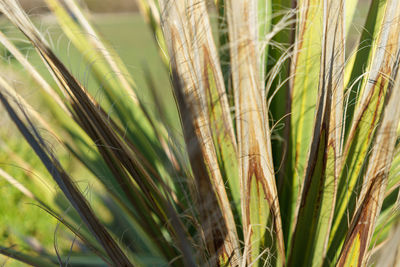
x=319, y=189
x=196, y=62
x=360, y=59
x=260, y=206
x=304, y=94
x=367, y=115
x=375, y=180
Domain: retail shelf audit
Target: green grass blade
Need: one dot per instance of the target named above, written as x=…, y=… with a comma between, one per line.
x=37, y=261
x=68, y=187
x=367, y=115
x=278, y=92
x=32, y=71
x=122, y=157
x=304, y=93
x=224, y=141
x=260, y=207
x=359, y=61
x=120, y=90
x=394, y=175
x=110, y=62
x=319, y=189
x=151, y=12
x=376, y=177
x=264, y=10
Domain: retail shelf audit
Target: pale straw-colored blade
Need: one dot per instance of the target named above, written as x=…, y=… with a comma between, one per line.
x=363, y=127
x=188, y=36
x=357, y=241
x=260, y=206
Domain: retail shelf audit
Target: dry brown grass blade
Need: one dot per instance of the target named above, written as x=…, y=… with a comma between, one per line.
x=258, y=188
x=187, y=27
x=380, y=70
x=334, y=75
x=188, y=36
x=333, y=58
x=66, y=185
x=32, y=71
x=214, y=230
x=372, y=193
x=116, y=66
x=364, y=124
x=10, y=91
x=137, y=183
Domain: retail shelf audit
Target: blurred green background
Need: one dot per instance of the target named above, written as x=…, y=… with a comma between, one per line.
x=103, y=6
x=21, y=222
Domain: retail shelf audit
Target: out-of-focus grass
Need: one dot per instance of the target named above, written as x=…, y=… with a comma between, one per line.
x=130, y=37
x=127, y=33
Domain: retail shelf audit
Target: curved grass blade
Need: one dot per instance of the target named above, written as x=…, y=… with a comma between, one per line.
x=260, y=206
x=32, y=71
x=119, y=155
x=365, y=121
x=304, y=93
x=71, y=128
x=357, y=63
x=375, y=180
x=68, y=187
x=323, y=166
x=213, y=225
x=85, y=154
x=36, y=261
x=120, y=90
x=194, y=54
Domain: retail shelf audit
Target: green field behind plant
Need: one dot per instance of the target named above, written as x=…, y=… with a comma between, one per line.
x=20, y=220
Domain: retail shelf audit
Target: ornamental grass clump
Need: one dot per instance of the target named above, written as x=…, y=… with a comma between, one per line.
x=287, y=152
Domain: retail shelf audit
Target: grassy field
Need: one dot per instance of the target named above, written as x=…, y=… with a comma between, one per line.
x=20, y=220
